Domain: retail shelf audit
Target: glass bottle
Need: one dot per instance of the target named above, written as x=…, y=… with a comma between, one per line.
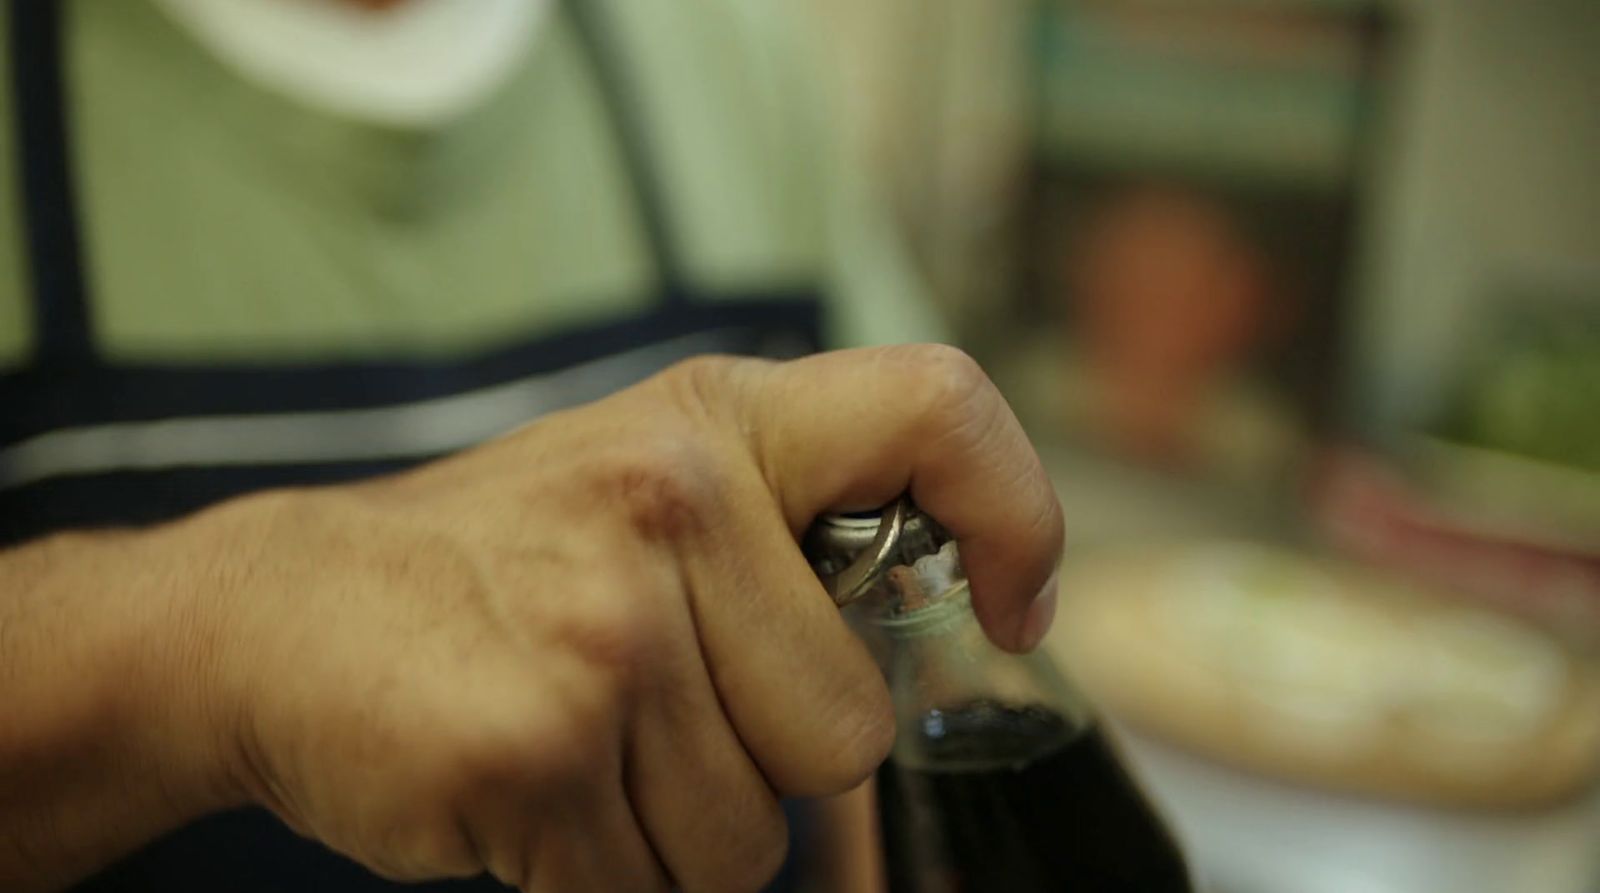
x=1000, y=779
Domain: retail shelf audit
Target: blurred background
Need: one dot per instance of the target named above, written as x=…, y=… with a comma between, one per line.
x=1301, y=301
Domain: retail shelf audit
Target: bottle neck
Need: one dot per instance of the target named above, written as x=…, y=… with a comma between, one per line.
x=936, y=615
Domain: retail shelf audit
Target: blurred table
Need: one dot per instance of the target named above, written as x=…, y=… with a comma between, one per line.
x=1247, y=833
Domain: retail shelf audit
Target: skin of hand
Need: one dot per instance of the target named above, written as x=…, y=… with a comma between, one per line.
x=588, y=655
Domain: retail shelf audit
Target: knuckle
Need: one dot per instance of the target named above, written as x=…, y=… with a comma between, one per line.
x=701, y=376
x=487, y=756
x=438, y=849
x=865, y=733
x=848, y=747
x=950, y=385
x=712, y=389
x=666, y=485
x=576, y=750
x=941, y=368
x=616, y=634
x=561, y=750
x=751, y=857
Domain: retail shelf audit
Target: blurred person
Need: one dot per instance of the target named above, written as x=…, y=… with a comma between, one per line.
x=252, y=245
x=1169, y=298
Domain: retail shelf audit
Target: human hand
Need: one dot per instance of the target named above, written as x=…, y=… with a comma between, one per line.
x=589, y=655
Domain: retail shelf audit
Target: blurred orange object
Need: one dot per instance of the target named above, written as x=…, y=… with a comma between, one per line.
x=1171, y=298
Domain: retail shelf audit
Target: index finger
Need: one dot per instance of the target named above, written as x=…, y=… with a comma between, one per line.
x=853, y=429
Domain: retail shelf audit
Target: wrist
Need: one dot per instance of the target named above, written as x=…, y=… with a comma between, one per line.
x=193, y=680
x=158, y=645
x=110, y=736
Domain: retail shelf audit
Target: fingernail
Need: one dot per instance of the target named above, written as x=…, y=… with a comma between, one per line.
x=1036, y=622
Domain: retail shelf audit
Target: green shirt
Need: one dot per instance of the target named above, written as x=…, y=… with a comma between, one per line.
x=223, y=222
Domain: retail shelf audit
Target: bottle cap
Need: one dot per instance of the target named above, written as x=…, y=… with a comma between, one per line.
x=897, y=550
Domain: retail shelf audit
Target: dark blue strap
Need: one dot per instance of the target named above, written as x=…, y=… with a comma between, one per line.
x=45, y=403
x=619, y=93
x=37, y=401
x=49, y=209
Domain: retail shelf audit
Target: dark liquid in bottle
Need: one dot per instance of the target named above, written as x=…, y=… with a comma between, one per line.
x=1015, y=800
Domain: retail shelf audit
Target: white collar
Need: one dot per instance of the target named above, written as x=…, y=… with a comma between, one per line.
x=417, y=65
